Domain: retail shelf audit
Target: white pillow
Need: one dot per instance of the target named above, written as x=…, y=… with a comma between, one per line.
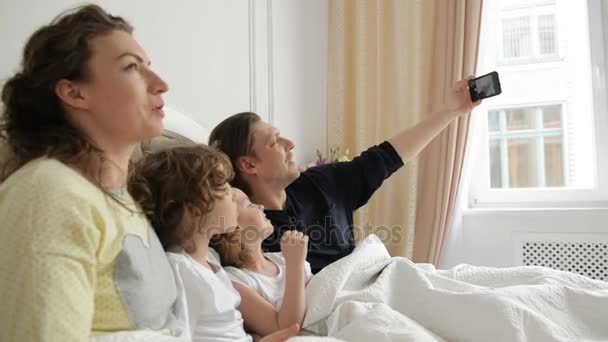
x=179, y=125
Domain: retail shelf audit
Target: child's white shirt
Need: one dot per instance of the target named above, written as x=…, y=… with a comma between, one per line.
x=211, y=300
x=270, y=288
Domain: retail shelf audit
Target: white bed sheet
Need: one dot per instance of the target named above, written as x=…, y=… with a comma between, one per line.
x=369, y=296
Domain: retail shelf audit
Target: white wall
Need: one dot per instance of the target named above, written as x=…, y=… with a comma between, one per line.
x=218, y=56
x=490, y=237
x=300, y=59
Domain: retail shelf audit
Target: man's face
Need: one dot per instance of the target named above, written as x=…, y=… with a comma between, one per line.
x=273, y=159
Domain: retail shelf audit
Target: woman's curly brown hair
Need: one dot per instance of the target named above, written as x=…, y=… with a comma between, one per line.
x=167, y=183
x=34, y=122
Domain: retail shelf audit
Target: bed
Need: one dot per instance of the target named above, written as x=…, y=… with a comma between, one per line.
x=369, y=296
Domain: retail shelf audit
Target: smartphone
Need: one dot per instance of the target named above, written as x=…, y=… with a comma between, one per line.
x=484, y=86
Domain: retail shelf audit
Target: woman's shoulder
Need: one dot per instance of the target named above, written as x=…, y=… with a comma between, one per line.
x=49, y=175
x=45, y=167
x=52, y=184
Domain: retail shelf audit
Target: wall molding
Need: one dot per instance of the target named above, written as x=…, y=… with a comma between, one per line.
x=270, y=50
x=252, y=60
x=261, y=63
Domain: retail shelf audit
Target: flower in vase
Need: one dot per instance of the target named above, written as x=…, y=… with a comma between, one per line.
x=334, y=156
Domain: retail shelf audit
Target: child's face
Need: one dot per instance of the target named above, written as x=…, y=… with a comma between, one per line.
x=223, y=216
x=254, y=225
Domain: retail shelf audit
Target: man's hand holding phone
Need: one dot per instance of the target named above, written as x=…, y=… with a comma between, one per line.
x=459, y=101
x=484, y=86
x=468, y=93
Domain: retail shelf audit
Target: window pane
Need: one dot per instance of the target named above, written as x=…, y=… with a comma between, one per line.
x=552, y=116
x=554, y=165
x=521, y=118
x=523, y=163
x=516, y=37
x=493, y=121
x=495, y=164
x=546, y=34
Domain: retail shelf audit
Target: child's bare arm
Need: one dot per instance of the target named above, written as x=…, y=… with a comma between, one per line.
x=294, y=246
x=260, y=316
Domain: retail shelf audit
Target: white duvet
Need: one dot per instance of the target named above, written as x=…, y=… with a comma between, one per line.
x=369, y=296
x=148, y=336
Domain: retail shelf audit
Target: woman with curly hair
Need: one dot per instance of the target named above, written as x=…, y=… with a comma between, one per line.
x=77, y=256
x=74, y=253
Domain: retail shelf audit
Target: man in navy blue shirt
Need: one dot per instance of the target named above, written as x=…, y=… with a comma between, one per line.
x=320, y=201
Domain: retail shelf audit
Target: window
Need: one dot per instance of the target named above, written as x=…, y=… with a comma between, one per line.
x=516, y=37
x=528, y=33
x=547, y=39
x=526, y=147
x=543, y=141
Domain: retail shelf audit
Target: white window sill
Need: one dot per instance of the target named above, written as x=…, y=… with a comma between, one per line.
x=533, y=212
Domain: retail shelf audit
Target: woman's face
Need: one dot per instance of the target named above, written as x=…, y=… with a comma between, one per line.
x=253, y=224
x=122, y=98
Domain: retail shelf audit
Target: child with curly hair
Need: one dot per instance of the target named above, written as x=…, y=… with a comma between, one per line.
x=186, y=195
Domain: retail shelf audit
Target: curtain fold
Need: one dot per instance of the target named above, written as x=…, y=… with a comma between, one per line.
x=456, y=43
x=378, y=79
x=390, y=63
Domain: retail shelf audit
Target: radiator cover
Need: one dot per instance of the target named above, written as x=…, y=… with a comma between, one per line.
x=585, y=254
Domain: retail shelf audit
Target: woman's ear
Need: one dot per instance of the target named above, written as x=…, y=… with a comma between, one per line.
x=71, y=94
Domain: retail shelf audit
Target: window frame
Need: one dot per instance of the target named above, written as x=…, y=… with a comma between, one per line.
x=536, y=56
x=536, y=133
x=480, y=193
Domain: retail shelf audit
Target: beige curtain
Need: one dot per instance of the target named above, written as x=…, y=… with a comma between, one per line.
x=381, y=79
x=378, y=81
x=456, y=43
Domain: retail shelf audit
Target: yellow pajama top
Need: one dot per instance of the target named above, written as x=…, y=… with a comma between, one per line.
x=74, y=262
